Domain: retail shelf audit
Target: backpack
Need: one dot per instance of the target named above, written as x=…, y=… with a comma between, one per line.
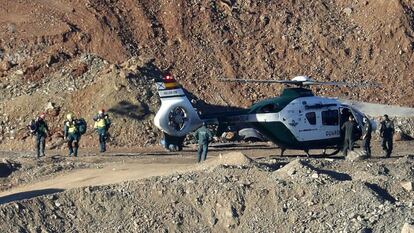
x=32, y=127
x=108, y=122
x=81, y=125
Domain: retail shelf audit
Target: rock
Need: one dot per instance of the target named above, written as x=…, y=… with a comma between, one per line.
x=407, y=228
x=315, y=176
x=407, y=186
x=356, y=155
x=57, y=204
x=348, y=11
x=19, y=72
x=399, y=136
x=50, y=106
x=12, y=134
x=5, y=66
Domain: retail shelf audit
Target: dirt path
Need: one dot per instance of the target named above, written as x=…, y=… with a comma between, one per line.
x=109, y=174
x=115, y=168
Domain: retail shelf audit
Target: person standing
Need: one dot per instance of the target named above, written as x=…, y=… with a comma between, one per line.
x=366, y=136
x=350, y=128
x=71, y=134
x=387, y=132
x=102, y=124
x=203, y=135
x=41, y=130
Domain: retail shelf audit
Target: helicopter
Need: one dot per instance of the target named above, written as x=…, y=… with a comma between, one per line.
x=297, y=119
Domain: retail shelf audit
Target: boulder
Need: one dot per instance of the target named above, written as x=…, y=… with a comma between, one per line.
x=348, y=11
x=407, y=228
x=5, y=65
x=356, y=155
x=399, y=136
x=407, y=186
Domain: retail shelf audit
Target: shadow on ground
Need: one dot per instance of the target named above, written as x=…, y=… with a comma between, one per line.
x=27, y=195
x=382, y=193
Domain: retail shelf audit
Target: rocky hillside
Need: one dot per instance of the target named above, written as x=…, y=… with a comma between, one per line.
x=69, y=53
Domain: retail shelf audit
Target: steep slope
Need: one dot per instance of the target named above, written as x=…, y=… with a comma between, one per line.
x=200, y=41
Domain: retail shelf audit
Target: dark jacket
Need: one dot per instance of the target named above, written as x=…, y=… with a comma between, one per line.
x=387, y=129
x=203, y=135
x=367, y=130
x=350, y=128
x=41, y=128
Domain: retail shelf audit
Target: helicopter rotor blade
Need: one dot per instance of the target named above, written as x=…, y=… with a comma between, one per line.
x=301, y=83
x=258, y=81
x=344, y=84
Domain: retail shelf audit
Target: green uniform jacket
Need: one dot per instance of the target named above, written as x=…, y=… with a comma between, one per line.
x=203, y=135
x=350, y=128
x=387, y=129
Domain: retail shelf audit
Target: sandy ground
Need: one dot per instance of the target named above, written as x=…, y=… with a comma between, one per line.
x=134, y=164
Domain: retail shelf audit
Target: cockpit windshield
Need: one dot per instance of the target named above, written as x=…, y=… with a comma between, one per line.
x=358, y=115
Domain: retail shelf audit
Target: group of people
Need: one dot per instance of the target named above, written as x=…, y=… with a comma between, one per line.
x=351, y=129
x=73, y=129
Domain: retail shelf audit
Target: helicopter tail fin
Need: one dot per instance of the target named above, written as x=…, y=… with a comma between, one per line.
x=176, y=116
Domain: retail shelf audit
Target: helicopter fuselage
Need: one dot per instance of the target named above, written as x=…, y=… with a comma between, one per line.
x=297, y=119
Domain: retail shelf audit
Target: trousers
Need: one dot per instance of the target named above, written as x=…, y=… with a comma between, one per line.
x=40, y=144
x=202, y=152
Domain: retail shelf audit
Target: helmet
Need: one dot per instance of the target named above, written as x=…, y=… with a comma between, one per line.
x=69, y=116
x=102, y=111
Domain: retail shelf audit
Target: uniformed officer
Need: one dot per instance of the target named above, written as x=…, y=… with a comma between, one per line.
x=71, y=135
x=102, y=124
x=387, y=132
x=203, y=135
x=350, y=128
x=366, y=136
x=41, y=130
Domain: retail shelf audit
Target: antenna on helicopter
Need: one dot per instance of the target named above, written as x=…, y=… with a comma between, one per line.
x=299, y=81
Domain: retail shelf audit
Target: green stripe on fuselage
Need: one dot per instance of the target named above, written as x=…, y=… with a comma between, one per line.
x=288, y=95
x=278, y=133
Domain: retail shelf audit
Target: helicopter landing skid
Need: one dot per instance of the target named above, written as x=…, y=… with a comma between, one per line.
x=324, y=153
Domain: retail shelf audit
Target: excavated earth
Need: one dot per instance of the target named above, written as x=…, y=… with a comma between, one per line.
x=61, y=56
x=230, y=192
x=83, y=55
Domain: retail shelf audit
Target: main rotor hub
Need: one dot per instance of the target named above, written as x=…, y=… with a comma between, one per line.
x=302, y=79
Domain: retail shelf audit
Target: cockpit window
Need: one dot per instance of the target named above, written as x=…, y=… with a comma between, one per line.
x=330, y=117
x=311, y=117
x=358, y=115
x=268, y=108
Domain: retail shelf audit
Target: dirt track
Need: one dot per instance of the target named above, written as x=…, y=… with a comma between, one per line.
x=227, y=193
x=117, y=167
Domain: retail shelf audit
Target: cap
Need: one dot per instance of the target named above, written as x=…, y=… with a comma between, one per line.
x=69, y=116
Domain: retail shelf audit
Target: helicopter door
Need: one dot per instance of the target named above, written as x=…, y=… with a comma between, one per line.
x=345, y=113
x=358, y=116
x=330, y=124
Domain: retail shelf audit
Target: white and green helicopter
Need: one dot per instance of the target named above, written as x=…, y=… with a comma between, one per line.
x=297, y=119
